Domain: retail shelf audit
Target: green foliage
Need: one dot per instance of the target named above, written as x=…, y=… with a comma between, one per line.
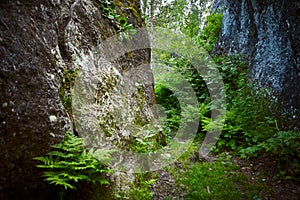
x=220, y=179
x=149, y=142
x=177, y=15
x=140, y=189
x=248, y=120
x=251, y=113
x=126, y=29
x=67, y=82
x=234, y=70
x=284, y=146
x=109, y=11
x=209, y=35
x=217, y=180
x=166, y=98
x=253, y=120
x=169, y=89
x=69, y=163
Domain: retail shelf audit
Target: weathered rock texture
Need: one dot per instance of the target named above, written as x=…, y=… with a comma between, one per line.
x=39, y=41
x=268, y=33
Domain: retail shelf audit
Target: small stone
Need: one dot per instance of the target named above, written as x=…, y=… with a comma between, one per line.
x=5, y=104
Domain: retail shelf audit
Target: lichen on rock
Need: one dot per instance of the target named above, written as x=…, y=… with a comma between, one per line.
x=267, y=33
x=40, y=40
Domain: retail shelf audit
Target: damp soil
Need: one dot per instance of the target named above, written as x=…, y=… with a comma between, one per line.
x=263, y=168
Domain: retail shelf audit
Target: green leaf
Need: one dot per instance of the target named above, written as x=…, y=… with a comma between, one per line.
x=132, y=31
x=111, y=17
x=122, y=21
x=69, y=162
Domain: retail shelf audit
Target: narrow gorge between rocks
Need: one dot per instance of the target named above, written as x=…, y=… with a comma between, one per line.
x=150, y=99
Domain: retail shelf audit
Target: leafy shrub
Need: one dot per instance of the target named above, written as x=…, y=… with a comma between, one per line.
x=148, y=138
x=70, y=163
x=249, y=119
x=253, y=119
x=251, y=113
x=167, y=99
x=209, y=35
x=233, y=70
x=284, y=146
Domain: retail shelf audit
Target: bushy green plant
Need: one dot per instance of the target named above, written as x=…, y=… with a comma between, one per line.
x=167, y=93
x=69, y=163
x=251, y=113
x=148, y=139
x=209, y=36
x=249, y=119
x=125, y=29
x=284, y=146
x=167, y=99
x=253, y=120
x=234, y=70
x=108, y=9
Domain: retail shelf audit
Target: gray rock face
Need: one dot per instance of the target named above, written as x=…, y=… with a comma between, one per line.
x=39, y=41
x=268, y=33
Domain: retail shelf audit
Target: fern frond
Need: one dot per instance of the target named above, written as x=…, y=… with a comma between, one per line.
x=61, y=154
x=69, y=163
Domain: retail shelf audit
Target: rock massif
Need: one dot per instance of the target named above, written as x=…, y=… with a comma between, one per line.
x=41, y=42
x=268, y=33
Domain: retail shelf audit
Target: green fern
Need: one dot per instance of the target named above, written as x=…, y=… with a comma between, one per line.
x=69, y=163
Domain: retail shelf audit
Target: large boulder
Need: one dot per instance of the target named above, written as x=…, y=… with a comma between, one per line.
x=268, y=33
x=41, y=41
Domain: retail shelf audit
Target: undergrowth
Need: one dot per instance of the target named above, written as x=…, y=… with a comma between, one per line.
x=69, y=164
x=253, y=127
x=254, y=123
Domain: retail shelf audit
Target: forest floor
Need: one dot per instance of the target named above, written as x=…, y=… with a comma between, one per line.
x=259, y=179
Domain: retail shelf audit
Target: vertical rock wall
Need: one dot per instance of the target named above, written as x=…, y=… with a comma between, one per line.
x=268, y=33
x=39, y=41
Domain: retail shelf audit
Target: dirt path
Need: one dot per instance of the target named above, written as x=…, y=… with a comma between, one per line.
x=258, y=170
